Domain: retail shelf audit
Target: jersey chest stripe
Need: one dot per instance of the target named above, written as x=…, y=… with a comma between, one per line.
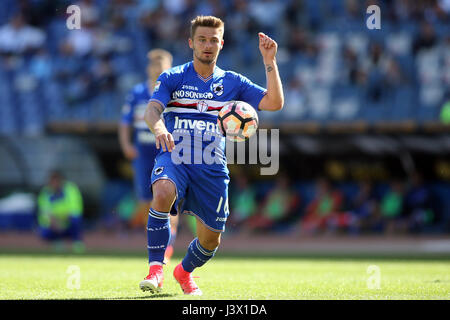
x=187, y=110
x=182, y=105
x=217, y=105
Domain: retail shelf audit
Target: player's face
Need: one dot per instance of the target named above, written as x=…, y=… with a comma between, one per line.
x=157, y=66
x=206, y=44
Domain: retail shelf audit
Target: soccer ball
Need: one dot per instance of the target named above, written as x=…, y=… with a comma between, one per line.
x=238, y=121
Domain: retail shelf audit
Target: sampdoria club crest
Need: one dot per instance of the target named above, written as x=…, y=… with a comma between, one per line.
x=202, y=106
x=218, y=88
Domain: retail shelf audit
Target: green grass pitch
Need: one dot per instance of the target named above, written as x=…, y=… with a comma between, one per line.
x=51, y=276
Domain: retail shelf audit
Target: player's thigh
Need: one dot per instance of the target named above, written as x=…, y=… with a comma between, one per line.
x=169, y=183
x=208, y=201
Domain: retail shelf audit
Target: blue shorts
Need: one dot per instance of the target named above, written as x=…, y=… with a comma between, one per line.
x=201, y=190
x=143, y=166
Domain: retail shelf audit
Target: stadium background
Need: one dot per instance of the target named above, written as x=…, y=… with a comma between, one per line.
x=360, y=105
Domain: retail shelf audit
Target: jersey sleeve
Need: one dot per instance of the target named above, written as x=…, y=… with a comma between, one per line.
x=163, y=89
x=250, y=92
x=127, y=109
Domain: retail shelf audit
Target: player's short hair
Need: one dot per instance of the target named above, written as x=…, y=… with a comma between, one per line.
x=206, y=21
x=156, y=54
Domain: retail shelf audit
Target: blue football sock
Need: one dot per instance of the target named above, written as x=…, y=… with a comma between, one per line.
x=158, y=235
x=196, y=256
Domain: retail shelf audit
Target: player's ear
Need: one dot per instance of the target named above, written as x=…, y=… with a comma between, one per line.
x=190, y=43
x=221, y=44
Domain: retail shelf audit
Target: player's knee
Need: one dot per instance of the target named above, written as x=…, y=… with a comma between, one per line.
x=163, y=194
x=210, y=243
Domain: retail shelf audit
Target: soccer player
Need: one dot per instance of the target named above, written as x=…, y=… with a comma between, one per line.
x=138, y=142
x=189, y=96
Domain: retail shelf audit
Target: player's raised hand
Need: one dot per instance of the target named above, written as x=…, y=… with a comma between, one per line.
x=267, y=46
x=165, y=141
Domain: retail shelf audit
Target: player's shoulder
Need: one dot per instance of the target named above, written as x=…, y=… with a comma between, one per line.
x=177, y=71
x=233, y=75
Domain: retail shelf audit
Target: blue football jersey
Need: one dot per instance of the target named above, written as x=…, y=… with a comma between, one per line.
x=133, y=115
x=191, y=105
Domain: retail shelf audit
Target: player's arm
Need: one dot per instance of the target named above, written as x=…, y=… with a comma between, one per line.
x=274, y=99
x=127, y=147
x=153, y=119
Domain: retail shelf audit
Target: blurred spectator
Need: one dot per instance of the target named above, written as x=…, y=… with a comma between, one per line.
x=267, y=13
x=90, y=12
x=60, y=212
x=104, y=74
x=295, y=100
x=66, y=63
x=243, y=202
x=417, y=204
x=278, y=205
x=426, y=38
x=445, y=113
x=363, y=209
x=81, y=41
x=323, y=212
x=17, y=37
x=374, y=69
x=354, y=74
x=391, y=208
x=41, y=65
x=300, y=43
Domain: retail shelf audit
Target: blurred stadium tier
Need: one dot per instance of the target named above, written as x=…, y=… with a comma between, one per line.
x=360, y=106
x=334, y=69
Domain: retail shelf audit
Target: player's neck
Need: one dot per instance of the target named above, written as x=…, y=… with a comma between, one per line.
x=204, y=69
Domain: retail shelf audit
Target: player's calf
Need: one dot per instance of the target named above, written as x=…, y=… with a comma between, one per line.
x=196, y=256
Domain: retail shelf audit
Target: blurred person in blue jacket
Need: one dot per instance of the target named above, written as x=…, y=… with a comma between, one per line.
x=418, y=204
x=138, y=142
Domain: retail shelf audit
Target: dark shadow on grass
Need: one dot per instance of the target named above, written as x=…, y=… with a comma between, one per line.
x=149, y=296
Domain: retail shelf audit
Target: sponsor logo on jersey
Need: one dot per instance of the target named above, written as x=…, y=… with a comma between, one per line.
x=159, y=170
x=180, y=94
x=188, y=87
x=191, y=124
